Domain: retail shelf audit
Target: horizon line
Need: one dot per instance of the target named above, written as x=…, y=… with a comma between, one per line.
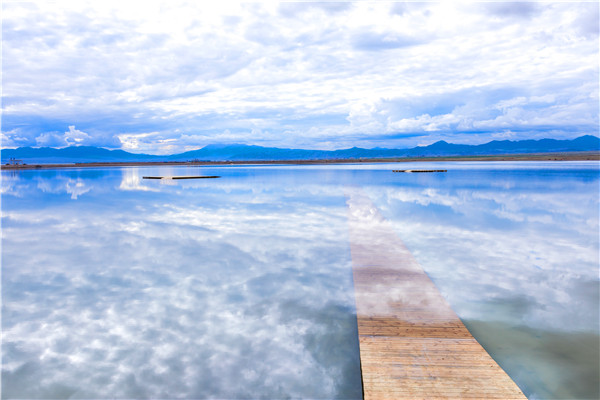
x=290, y=148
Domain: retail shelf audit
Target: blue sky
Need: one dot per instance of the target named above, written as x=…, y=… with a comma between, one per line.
x=164, y=77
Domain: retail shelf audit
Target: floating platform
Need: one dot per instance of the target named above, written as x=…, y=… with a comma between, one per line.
x=412, y=344
x=180, y=177
x=420, y=170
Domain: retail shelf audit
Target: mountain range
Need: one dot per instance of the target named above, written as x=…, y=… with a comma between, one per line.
x=240, y=152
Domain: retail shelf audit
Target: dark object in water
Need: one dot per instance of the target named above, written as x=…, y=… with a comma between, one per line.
x=181, y=177
x=420, y=170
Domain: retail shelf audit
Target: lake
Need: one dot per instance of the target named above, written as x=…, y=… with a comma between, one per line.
x=114, y=286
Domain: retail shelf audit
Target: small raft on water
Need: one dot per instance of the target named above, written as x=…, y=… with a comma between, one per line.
x=420, y=170
x=181, y=177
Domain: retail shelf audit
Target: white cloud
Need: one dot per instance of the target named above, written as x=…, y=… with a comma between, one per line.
x=115, y=68
x=75, y=137
x=51, y=139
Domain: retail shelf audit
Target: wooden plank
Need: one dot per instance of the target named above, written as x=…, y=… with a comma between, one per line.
x=181, y=177
x=420, y=170
x=412, y=344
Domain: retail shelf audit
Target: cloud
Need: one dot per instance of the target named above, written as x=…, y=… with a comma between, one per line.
x=264, y=34
x=51, y=139
x=13, y=138
x=520, y=9
x=290, y=9
x=473, y=110
x=399, y=8
x=75, y=137
x=373, y=41
x=403, y=8
x=292, y=69
x=587, y=20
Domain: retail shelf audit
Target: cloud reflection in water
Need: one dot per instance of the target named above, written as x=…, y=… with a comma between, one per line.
x=187, y=291
x=516, y=254
x=241, y=287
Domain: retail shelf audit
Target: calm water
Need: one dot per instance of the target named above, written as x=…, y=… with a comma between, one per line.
x=241, y=287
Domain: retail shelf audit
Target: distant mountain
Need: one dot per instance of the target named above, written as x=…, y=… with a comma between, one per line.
x=582, y=143
x=47, y=155
x=240, y=152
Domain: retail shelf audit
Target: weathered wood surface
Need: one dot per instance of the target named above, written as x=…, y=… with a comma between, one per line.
x=412, y=344
x=181, y=177
x=420, y=170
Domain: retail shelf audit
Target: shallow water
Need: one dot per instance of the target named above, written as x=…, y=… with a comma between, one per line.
x=240, y=287
x=513, y=247
x=116, y=287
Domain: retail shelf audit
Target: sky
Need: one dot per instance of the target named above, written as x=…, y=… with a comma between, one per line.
x=163, y=77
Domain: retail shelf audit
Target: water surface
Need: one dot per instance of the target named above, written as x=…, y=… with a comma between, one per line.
x=514, y=248
x=241, y=287
x=118, y=287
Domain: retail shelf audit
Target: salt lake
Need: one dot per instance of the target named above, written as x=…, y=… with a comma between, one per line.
x=114, y=286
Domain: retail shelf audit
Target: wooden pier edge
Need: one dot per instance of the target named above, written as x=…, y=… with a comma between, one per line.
x=419, y=170
x=412, y=344
x=182, y=177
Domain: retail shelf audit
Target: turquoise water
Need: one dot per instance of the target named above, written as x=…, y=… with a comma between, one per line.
x=241, y=287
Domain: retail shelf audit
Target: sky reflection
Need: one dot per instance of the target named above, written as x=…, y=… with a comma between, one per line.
x=139, y=290
x=488, y=236
x=240, y=287
x=515, y=252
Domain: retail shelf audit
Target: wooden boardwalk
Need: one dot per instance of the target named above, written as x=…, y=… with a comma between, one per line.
x=181, y=177
x=412, y=344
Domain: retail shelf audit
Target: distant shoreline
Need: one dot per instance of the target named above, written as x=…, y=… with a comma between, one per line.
x=574, y=156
